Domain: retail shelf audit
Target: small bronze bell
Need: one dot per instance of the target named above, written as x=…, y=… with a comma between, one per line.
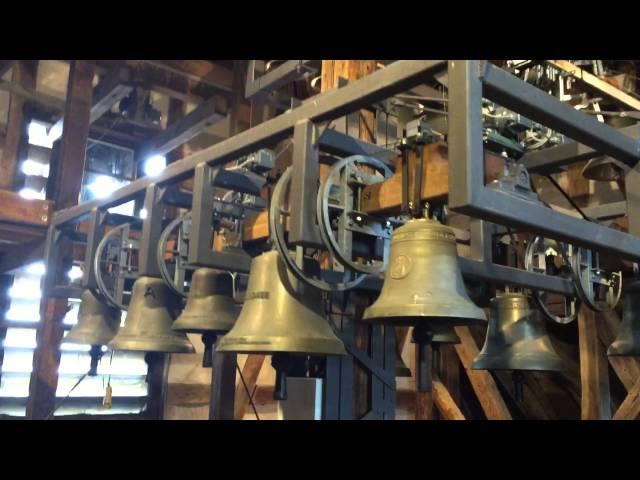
x=627, y=341
x=97, y=323
x=516, y=338
x=603, y=169
x=210, y=309
x=423, y=284
x=149, y=319
x=276, y=318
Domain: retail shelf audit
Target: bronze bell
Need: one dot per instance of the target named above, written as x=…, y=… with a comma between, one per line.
x=444, y=334
x=97, y=323
x=147, y=327
x=627, y=341
x=423, y=284
x=276, y=318
x=516, y=338
x=603, y=169
x=210, y=306
x=210, y=309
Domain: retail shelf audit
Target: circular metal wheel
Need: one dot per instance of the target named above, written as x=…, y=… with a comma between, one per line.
x=276, y=230
x=119, y=250
x=343, y=171
x=600, y=290
x=535, y=260
x=176, y=281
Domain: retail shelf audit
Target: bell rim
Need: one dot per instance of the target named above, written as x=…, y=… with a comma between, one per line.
x=78, y=340
x=518, y=362
x=142, y=345
x=623, y=349
x=391, y=316
x=194, y=324
x=308, y=346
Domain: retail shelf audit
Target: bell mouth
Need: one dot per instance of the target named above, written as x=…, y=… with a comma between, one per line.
x=407, y=318
x=262, y=346
x=145, y=345
x=82, y=339
x=539, y=363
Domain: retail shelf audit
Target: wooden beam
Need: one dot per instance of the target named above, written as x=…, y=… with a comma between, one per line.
x=207, y=113
x=111, y=89
x=444, y=402
x=630, y=407
x=70, y=164
x=24, y=77
x=482, y=382
x=5, y=65
x=15, y=209
x=199, y=71
x=594, y=373
x=596, y=83
x=627, y=368
x=19, y=254
x=49, y=102
x=250, y=373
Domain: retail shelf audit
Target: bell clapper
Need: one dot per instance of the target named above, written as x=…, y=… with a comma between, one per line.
x=422, y=337
x=209, y=341
x=96, y=355
x=280, y=361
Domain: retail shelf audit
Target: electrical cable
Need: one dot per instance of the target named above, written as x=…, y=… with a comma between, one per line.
x=55, y=409
x=568, y=198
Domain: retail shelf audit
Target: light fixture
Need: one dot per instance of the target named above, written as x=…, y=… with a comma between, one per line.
x=154, y=165
x=103, y=186
x=143, y=213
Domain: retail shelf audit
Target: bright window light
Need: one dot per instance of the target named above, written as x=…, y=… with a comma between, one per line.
x=31, y=194
x=38, y=135
x=36, y=269
x=73, y=347
x=22, y=293
x=24, y=312
x=143, y=213
x=31, y=167
x=75, y=273
x=103, y=186
x=124, y=208
x=154, y=165
x=55, y=132
x=20, y=338
x=71, y=317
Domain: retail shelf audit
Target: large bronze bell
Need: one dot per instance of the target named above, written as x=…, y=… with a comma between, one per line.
x=627, y=341
x=516, y=338
x=276, y=318
x=150, y=315
x=97, y=323
x=423, y=284
x=210, y=306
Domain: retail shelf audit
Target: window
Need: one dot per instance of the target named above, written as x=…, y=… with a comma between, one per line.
x=124, y=371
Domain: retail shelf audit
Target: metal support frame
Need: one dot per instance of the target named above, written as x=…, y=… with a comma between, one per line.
x=468, y=81
x=262, y=86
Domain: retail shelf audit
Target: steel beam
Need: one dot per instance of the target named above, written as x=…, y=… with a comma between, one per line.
x=511, y=92
x=397, y=77
x=467, y=192
x=258, y=88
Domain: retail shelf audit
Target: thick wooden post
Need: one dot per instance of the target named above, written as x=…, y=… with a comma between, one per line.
x=24, y=75
x=594, y=371
x=68, y=179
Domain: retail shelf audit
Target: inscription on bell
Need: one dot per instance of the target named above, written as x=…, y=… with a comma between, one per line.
x=400, y=267
x=442, y=236
x=256, y=296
